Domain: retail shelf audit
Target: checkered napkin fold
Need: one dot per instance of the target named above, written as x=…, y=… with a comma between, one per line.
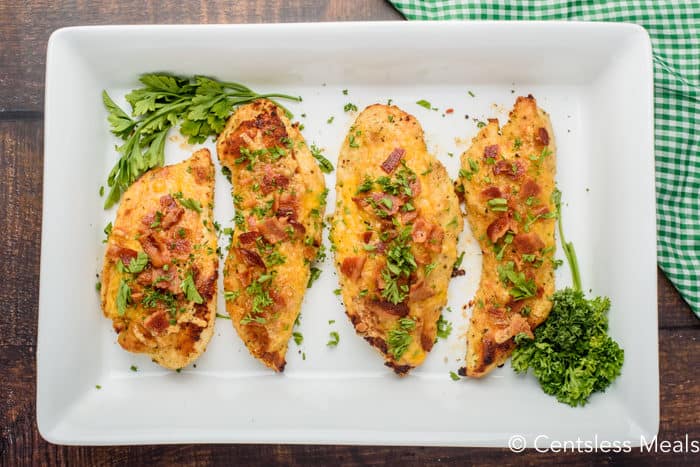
x=674, y=28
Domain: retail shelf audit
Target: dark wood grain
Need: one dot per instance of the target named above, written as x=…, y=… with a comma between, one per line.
x=24, y=30
x=680, y=391
x=26, y=27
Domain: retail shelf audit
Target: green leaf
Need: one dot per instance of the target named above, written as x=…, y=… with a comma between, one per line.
x=444, y=328
x=123, y=297
x=425, y=104
x=138, y=264
x=161, y=82
x=190, y=290
x=121, y=124
x=323, y=163
x=188, y=203
x=334, y=339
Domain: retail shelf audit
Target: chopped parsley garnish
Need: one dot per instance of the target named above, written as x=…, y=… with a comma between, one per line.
x=188, y=203
x=219, y=315
x=350, y=107
x=429, y=268
x=137, y=264
x=315, y=274
x=352, y=143
x=498, y=204
x=399, y=263
x=298, y=338
x=425, y=104
x=231, y=296
x=454, y=376
x=517, y=143
x=323, y=163
x=522, y=287
x=330, y=119
x=123, y=297
x=334, y=339
x=459, y=260
x=444, y=328
x=107, y=230
x=134, y=368
x=399, y=338
x=190, y=290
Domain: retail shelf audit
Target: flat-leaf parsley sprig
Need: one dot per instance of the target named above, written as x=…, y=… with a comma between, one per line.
x=201, y=105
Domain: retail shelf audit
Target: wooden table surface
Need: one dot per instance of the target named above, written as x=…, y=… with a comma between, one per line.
x=24, y=30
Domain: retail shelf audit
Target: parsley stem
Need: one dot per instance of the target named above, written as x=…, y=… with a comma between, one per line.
x=568, y=247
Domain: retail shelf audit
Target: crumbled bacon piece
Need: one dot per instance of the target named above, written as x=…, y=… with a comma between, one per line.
x=543, y=136
x=172, y=212
x=124, y=254
x=250, y=257
x=272, y=230
x=399, y=309
x=206, y=286
x=527, y=243
x=408, y=216
x=157, y=323
x=249, y=238
x=499, y=227
x=297, y=226
x=267, y=126
x=272, y=182
x=420, y=291
x=156, y=251
x=491, y=151
x=415, y=187
x=449, y=111
x=529, y=188
x=491, y=193
x=160, y=279
x=421, y=230
x=367, y=236
x=435, y=240
x=352, y=266
x=287, y=206
x=180, y=246
x=391, y=162
x=512, y=169
x=517, y=325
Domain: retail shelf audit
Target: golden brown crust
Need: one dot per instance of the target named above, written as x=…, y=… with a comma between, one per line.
x=166, y=218
x=279, y=195
x=508, y=180
x=409, y=197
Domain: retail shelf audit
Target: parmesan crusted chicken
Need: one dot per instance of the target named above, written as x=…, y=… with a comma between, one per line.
x=394, y=232
x=280, y=198
x=508, y=180
x=160, y=267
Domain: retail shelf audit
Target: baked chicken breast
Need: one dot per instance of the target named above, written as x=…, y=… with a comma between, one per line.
x=280, y=196
x=161, y=266
x=394, y=232
x=508, y=179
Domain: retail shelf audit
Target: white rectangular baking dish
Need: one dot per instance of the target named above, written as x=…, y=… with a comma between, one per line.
x=594, y=79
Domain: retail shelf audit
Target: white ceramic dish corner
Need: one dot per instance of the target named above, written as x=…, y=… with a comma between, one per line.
x=594, y=79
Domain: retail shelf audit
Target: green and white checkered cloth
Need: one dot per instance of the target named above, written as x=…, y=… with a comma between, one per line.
x=674, y=27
